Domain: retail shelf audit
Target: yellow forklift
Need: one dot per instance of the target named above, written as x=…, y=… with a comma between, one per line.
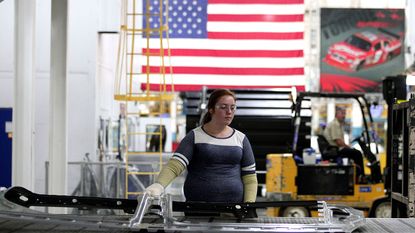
x=288, y=178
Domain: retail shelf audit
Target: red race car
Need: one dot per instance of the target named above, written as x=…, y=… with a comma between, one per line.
x=364, y=49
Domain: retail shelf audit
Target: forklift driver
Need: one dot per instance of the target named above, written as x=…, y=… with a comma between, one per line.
x=335, y=136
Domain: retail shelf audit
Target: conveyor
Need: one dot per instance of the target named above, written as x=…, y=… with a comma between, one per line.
x=156, y=214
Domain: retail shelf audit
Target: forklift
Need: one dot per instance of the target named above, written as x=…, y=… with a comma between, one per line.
x=289, y=178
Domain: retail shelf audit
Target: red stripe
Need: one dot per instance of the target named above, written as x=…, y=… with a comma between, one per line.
x=255, y=18
x=198, y=87
x=227, y=53
x=256, y=35
x=228, y=71
x=256, y=1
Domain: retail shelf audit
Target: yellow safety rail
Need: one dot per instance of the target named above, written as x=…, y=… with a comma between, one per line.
x=134, y=77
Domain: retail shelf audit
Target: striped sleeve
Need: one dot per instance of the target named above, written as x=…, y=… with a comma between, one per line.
x=185, y=150
x=248, y=159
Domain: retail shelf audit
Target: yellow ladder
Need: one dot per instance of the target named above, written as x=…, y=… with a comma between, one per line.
x=133, y=59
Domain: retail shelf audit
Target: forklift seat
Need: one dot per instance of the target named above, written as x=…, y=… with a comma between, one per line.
x=328, y=152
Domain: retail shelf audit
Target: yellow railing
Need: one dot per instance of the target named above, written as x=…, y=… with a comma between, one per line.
x=133, y=76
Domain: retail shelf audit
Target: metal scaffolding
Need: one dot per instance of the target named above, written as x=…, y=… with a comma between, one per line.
x=133, y=82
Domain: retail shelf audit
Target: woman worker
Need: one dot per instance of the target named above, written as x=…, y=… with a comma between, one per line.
x=218, y=158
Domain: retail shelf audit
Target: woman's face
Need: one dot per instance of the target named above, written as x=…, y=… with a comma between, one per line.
x=224, y=110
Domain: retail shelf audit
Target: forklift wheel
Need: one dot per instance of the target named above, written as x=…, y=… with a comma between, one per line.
x=295, y=212
x=383, y=210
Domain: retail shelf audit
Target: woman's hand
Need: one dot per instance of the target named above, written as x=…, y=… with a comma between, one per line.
x=155, y=190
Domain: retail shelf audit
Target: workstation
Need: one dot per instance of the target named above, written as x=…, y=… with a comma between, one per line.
x=206, y=116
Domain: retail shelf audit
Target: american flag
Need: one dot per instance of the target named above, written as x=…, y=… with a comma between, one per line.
x=231, y=43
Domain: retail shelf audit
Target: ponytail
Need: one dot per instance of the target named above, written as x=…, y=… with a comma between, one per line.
x=206, y=118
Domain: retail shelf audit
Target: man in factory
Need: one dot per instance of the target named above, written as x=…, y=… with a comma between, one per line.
x=335, y=136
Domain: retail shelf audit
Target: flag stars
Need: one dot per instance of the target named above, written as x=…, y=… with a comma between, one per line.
x=187, y=18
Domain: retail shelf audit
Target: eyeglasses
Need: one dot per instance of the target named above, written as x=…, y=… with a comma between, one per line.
x=226, y=107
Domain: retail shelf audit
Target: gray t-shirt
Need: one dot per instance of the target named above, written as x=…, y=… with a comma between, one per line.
x=334, y=131
x=215, y=165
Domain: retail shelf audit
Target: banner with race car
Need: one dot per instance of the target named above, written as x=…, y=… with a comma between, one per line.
x=359, y=47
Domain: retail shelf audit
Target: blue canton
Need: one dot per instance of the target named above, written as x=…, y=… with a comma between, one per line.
x=187, y=18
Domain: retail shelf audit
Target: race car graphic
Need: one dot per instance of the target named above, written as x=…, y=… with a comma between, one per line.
x=364, y=49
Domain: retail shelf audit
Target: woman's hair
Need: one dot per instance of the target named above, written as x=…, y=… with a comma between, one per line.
x=213, y=99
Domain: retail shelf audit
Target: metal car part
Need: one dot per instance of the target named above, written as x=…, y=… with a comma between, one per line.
x=158, y=214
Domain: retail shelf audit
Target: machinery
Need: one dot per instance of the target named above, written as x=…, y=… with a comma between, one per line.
x=161, y=214
x=289, y=179
x=19, y=213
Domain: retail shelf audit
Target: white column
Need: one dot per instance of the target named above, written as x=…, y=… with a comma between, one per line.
x=23, y=110
x=58, y=151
